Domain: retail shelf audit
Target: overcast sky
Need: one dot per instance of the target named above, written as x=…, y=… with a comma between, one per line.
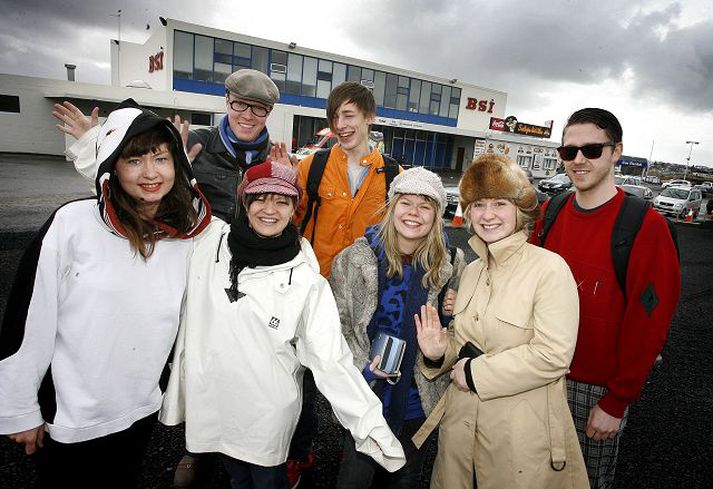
x=650, y=62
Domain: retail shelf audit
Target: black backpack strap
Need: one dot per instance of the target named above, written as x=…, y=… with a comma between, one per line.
x=391, y=169
x=554, y=206
x=627, y=225
x=314, y=177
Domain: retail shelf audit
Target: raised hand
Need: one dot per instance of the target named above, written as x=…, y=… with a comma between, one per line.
x=279, y=154
x=183, y=127
x=74, y=122
x=432, y=337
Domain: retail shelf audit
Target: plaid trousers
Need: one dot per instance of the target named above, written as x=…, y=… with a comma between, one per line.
x=599, y=456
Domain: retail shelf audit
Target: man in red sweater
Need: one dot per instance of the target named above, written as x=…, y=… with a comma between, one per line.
x=620, y=331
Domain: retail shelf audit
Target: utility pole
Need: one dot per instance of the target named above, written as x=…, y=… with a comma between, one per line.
x=118, y=43
x=688, y=159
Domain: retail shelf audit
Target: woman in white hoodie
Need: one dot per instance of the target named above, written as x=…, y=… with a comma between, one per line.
x=95, y=307
x=258, y=312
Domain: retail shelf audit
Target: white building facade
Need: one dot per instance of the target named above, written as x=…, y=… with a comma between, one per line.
x=426, y=120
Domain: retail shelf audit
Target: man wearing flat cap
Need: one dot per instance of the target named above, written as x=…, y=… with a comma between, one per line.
x=220, y=154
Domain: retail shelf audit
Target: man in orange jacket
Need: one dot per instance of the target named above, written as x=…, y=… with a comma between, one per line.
x=353, y=189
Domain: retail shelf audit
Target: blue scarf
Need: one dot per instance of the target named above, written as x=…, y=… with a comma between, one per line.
x=244, y=152
x=417, y=296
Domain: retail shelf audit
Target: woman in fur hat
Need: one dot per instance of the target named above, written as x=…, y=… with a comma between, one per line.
x=380, y=283
x=94, y=311
x=257, y=313
x=504, y=418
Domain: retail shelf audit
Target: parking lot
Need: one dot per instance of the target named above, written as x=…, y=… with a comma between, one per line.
x=668, y=441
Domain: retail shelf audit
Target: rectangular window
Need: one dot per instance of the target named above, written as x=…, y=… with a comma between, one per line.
x=339, y=74
x=550, y=163
x=414, y=95
x=446, y=99
x=402, y=93
x=524, y=161
x=223, y=58
x=354, y=74
x=425, y=97
x=435, y=99
x=224, y=47
x=455, y=103
x=390, y=94
x=309, y=78
x=221, y=72
x=294, y=74
x=259, y=59
x=278, y=68
x=379, y=87
x=10, y=103
x=183, y=55
x=200, y=119
x=204, y=59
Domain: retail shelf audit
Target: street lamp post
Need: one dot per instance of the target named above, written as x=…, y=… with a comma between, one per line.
x=688, y=159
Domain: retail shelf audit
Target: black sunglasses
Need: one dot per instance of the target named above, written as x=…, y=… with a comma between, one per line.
x=240, y=106
x=590, y=151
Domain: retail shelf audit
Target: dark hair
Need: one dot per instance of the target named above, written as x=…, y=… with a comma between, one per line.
x=601, y=118
x=176, y=208
x=352, y=92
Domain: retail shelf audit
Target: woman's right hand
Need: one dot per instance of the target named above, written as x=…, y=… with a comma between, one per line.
x=432, y=337
x=74, y=122
x=374, y=367
x=31, y=440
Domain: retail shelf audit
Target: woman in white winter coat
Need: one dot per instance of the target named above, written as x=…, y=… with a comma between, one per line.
x=95, y=308
x=257, y=313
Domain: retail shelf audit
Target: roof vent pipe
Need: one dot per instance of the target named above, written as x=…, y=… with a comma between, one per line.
x=70, y=71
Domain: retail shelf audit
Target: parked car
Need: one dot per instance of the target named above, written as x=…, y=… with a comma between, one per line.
x=554, y=185
x=638, y=191
x=652, y=179
x=628, y=180
x=678, y=201
x=706, y=188
x=452, y=198
x=676, y=183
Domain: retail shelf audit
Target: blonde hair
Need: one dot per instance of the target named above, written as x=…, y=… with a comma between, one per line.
x=430, y=253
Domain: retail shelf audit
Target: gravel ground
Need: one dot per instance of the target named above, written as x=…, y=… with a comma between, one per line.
x=667, y=443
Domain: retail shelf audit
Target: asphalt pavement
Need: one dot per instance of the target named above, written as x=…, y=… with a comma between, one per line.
x=668, y=442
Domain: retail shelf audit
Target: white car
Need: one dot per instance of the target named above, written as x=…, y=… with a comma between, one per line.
x=676, y=183
x=679, y=201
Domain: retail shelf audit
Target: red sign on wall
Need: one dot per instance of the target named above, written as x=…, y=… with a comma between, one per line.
x=156, y=62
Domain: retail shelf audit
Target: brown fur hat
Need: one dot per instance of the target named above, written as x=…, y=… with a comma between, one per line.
x=492, y=176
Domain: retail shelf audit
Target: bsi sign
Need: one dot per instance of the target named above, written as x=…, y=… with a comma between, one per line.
x=156, y=62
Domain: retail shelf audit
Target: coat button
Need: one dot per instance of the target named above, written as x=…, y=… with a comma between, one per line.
x=476, y=317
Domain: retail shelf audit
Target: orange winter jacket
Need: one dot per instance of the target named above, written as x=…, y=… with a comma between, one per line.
x=342, y=219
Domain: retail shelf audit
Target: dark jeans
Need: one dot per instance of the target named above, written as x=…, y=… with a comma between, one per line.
x=244, y=475
x=301, y=443
x=359, y=471
x=112, y=461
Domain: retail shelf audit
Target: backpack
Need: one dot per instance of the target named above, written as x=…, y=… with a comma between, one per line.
x=626, y=227
x=314, y=178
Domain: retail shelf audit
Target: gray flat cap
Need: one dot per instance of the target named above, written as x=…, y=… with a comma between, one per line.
x=253, y=85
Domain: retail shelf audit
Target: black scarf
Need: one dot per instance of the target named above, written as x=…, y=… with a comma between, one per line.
x=248, y=249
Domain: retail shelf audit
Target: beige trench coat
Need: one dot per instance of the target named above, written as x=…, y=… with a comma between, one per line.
x=520, y=307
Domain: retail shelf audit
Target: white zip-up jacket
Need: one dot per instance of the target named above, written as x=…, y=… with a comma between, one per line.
x=237, y=372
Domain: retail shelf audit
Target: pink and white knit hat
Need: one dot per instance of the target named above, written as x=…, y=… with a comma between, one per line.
x=270, y=177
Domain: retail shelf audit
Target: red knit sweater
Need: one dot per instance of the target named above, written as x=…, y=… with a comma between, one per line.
x=619, y=337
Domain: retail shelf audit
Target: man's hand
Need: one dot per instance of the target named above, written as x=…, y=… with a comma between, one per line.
x=602, y=426
x=74, y=122
x=432, y=338
x=279, y=154
x=31, y=440
x=184, y=127
x=448, y=302
x=458, y=375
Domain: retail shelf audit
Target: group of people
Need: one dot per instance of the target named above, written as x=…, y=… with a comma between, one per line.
x=525, y=360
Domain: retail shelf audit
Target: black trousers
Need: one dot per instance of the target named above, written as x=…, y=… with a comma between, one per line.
x=306, y=429
x=112, y=461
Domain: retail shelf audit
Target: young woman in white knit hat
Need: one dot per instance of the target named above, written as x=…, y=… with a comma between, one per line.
x=504, y=418
x=380, y=283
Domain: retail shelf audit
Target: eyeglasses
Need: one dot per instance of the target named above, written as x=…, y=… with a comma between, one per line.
x=240, y=106
x=590, y=151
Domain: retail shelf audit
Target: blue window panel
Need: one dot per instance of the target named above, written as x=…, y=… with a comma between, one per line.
x=440, y=153
x=429, y=151
x=397, y=148
x=408, y=151
x=419, y=157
